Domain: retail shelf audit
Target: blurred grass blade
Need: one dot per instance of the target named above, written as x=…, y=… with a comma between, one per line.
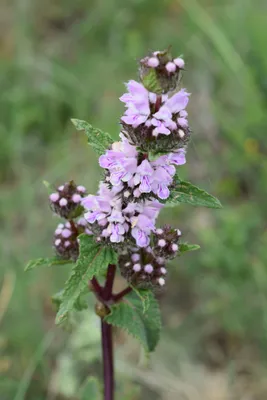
x=200, y=16
x=37, y=357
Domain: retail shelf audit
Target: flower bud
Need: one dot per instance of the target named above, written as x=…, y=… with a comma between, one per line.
x=147, y=272
x=165, y=243
x=66, y=239
x=159, y=72
x=66, y=200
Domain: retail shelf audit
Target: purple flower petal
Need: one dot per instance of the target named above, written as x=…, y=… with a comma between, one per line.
x=142, y=240
x=178, y=101
x=178, y=157
x=145, y=186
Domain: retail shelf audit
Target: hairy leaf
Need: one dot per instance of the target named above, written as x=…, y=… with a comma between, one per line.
x=98, y=139
x=185, y=192
x=80, y=304
x=93, y=259
x=143, y=324
x=45, y=262
x=144, y=296
x=150, y=81
x=183, y=247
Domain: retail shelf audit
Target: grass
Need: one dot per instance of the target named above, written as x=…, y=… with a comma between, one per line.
x=62, y=61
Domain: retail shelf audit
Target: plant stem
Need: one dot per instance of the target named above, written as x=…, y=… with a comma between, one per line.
x=119, y=296
x=158, y=103
x=107, y=293
x=97, y=288
x=107, y=353
x=106, y=298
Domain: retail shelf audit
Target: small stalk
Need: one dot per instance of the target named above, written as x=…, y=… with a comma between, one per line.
x=158, y=103
x=119, y=296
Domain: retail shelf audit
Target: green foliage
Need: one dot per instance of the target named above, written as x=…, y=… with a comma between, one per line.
x=93, y=260
x=184, y=247
x=150, y=81
x=99, y=140
x=45, y=262
x=80, y=304
x=145, y=297
x=185, y=192
x=90, y=390
x=142, y=322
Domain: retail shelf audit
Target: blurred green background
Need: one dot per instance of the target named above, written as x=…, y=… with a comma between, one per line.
x=63, y=59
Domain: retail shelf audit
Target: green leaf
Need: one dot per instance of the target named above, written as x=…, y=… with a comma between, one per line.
x=90, y=390
x=183, y=247
x=57, y=298
x=185, y=192
x=45, y=262
x=144, y=325
x=93, y=260
x=150, y=81
x=99, y=140
x=144, y=296
x=80, y=304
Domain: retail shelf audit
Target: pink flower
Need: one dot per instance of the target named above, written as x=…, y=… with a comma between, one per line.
x=178, y=101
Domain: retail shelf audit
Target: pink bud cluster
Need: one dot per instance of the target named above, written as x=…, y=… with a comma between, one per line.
x=147, y=266
x=161, y=60
x=66, y=238
x=65, y=200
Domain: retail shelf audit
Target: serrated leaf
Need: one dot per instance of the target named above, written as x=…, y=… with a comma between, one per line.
x=150, y=81
x=90, y=390
x=130, y=316
x=144, y=296
x=57, y=298
x=99, y=140
x=80, y=304
x=93, y=259
x=45, y=262
x=183, y=247
x=185, y=192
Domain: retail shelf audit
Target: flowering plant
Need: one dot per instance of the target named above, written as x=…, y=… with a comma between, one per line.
x=115, y=230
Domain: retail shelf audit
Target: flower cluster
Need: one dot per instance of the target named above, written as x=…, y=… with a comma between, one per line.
x=111, y=219
x=164, y=117
x=65, y=201
x=139, y=173
x=134, y=175
x=159, y=119
x=66, y=238
x=146, y=267
x=166, y=68
x=125, y=209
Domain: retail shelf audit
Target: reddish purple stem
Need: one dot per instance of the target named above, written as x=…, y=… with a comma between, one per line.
x=107, y=354
x=105, y=296
x=119, y=296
